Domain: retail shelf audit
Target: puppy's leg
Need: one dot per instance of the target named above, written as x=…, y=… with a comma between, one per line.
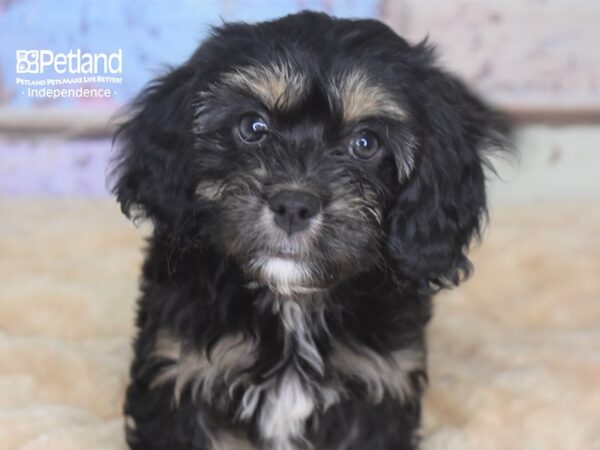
x=359, y=425
x=153, y=419
x=155, y=422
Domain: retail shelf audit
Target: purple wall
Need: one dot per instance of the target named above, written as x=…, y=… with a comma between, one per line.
x=150, y=34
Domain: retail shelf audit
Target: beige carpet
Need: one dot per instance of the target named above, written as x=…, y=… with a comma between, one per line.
x=515, y=352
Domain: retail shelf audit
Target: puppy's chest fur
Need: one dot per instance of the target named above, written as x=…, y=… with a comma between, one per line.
x=278, y=382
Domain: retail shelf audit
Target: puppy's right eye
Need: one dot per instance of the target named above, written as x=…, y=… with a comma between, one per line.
x=252, y=129
x=364, y=145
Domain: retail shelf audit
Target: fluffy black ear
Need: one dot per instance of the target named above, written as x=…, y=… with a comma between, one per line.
x=440, y=208
x=149, y=176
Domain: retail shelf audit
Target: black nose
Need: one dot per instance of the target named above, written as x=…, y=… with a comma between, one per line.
x=294, y=210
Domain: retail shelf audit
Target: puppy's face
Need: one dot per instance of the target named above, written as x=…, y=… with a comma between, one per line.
x=298, y=166
x=311, y=150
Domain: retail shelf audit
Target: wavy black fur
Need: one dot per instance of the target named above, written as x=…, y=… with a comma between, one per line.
x=371, y=281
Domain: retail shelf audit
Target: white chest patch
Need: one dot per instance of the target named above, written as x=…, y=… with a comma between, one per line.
x=289, y=401
x=286, y=408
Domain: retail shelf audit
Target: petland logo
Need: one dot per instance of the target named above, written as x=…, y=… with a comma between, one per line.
x=74, y=63
x=44, y=74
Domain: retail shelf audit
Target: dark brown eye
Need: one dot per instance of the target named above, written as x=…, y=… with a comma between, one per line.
x=364, y=145
x=252, y=129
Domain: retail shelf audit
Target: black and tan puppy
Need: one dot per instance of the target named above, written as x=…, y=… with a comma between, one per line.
x=311, y=182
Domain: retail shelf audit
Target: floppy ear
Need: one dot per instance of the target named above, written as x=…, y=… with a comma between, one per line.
x=441, y=207
x=149, y=175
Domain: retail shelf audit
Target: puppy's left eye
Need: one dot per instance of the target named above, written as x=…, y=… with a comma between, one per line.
x=364, y=145
x=252, y=129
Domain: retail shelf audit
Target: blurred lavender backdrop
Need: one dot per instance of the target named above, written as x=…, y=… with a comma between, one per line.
x=533, y=58
x=151, y=34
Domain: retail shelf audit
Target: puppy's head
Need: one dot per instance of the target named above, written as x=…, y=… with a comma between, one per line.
x=310, y=150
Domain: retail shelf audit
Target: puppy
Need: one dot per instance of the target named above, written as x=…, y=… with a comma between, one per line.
x=311, y=182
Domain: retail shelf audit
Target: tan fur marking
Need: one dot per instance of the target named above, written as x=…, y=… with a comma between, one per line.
x=350, y=205
x=210, y=190
x=379, y=373
x=278, y=86
x=226, y=441
x=231, y=354
x=361, y=98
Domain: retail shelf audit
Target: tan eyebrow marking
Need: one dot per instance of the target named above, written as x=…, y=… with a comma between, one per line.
x=361, y=97
x=278, y=86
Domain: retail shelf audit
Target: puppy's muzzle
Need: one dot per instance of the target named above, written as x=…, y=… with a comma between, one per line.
x=294, y=210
